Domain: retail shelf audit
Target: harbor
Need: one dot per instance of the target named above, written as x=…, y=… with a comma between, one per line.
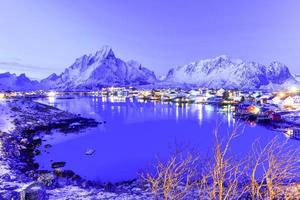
x=273, y=109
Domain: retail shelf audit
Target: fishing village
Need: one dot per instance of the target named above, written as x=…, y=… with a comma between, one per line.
x=277, y=110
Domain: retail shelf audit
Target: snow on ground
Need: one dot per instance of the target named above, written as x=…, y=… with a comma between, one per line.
x=8, y=179
x=6, y=117
x=12, y=182
x=6, y=125
x=77, y=193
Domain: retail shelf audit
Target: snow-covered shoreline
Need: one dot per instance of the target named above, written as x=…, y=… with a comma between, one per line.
x=21, y=121
x=21, y=124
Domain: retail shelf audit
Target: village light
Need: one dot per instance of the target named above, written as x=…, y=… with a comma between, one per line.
x=2, y=96
x=293, y=89
x=253, y=109
x=256, y=110
x=51, y=94
x=281, y=94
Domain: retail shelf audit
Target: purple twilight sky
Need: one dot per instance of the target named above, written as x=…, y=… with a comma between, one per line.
x=41, y=37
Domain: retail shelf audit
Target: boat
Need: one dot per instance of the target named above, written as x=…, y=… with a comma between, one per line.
x=89, y=152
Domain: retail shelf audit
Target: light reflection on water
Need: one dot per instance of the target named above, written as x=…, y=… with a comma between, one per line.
x=136, y=131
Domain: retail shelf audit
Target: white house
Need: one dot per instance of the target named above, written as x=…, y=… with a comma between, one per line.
x=292, y=101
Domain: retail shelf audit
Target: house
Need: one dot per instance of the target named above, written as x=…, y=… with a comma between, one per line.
x=292, y=101
x=220, y=92
x=194, y=92
x=277, y=100
x=199, y=99
x=264, y=99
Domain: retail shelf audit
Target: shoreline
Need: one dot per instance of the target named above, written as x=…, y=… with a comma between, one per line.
x=26, y=121
x=20, y=144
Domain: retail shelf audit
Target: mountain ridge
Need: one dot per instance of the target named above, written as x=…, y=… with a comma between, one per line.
x=225, y=72
x=12, y=82
x=103, y=68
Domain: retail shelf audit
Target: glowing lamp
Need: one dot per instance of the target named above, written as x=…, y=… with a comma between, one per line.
x=294, y=89
x=51, y=94
x=281, y=94
x=253, y=109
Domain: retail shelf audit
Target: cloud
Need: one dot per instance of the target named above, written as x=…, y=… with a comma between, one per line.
x=19, y=66
x=36, y=72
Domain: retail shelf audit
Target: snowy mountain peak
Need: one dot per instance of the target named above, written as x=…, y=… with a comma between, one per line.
x=222, y=57
x=277, y=72
x=105, y=52
x=23, y=76
x=102, y=68
x=277, y=65
x=53, y=76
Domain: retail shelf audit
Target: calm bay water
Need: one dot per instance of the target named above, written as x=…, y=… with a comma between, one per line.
x=136, y=132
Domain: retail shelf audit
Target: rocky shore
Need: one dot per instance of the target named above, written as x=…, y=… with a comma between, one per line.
x=23, y=123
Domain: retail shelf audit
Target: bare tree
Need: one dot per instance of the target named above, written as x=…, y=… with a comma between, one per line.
x=270, y=171
x=273, y=168
x=175, y=178
x=224, y=173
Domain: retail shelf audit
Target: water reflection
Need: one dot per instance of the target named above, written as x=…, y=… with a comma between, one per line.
x=136, y=131
x=135, y=110
x=200, y=112
x=51, y=100
x=209, y=109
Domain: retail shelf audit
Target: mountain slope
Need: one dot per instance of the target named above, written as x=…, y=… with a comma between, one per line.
x=297, y=77
x=104, y=69
x=225, y=72
x=100, y=69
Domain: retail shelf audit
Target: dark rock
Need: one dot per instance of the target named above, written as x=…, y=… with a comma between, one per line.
x=58, y=172
x=48, y=145
x=109, y=187
x=36, y=141
x=63, y=173
x=35, y=191
x=37, y=152
x=68, y=173
x=47, y=179
x=58, y=164
x=24, y=141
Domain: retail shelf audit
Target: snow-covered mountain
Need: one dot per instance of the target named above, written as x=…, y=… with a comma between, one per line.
x=100, y=69
x=297, y=77
x=225, y=72
x=104, y=69
x=12, y=82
